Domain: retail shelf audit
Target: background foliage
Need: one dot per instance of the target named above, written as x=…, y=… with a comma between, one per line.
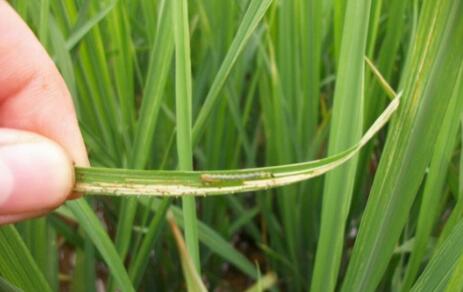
x=206, y=84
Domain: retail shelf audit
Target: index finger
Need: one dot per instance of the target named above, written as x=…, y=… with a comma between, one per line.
x=33, y=95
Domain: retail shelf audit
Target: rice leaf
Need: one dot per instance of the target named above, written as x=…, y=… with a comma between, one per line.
x=346, y=129
x=263, y=283
x=82, y=29
x=254, y=14
x=456, y=280
x=211, y=239
x=193, y=279
x=112, y=181
x=93, y=228
x=183, y=104
x=140, y=261
x=447, y=257
x=6, y=286
x=16, y=263
x=433, y=189
x=429, y=79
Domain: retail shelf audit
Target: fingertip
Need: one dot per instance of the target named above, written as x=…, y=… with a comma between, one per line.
x=38, y=173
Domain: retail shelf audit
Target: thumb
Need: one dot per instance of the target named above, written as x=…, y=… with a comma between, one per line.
x=35, y=173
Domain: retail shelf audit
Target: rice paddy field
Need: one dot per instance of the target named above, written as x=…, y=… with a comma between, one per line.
x=253, y=145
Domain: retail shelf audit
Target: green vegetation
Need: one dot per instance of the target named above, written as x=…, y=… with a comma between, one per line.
x=252, y=102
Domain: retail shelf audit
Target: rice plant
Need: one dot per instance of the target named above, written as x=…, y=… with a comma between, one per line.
x=281, y=145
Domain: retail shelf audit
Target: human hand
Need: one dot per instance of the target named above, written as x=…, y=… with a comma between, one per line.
x=39, y=134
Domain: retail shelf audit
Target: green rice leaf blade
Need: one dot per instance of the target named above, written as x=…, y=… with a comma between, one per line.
x=16, y=263
x=253, y=15
x=429, y=78
x=447, y=257
x=346, y=129
x=433, y=189
x=212, y=240
x=82, y=29
x=114, y=181
x=6, y=286
x=193, y=279
x=93, y=228
x=183, y=104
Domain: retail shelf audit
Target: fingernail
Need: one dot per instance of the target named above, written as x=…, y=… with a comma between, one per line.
x=35, y=173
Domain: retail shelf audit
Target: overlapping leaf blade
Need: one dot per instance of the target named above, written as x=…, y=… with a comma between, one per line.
x=16, y=263
x=434, y=61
